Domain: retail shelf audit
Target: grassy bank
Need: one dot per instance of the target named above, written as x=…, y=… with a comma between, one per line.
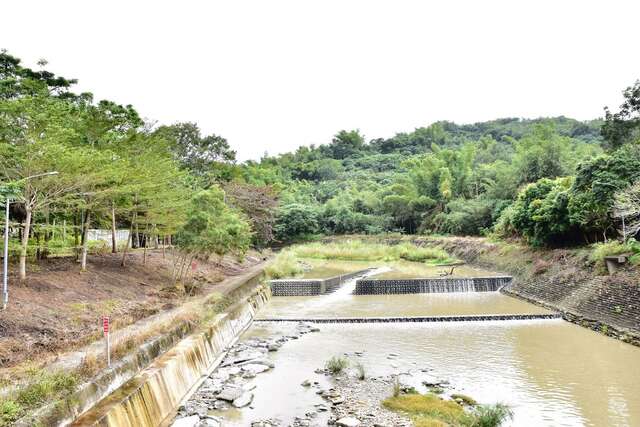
x=358, y=250
x=325, y=259
x=431, y=410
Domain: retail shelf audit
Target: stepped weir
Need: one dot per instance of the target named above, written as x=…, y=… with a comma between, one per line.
x=311, y=287
x=430, y=285
x=419, y=319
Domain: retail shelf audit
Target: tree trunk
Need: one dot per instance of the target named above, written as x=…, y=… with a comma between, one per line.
x=47, y=237
x=129, y=239
x=76, y=236
x=164, y=241
x=144, y=253
x=114, y=240
x=24, y=244
x=38, y=251
x=85, y=242
x=137, y=237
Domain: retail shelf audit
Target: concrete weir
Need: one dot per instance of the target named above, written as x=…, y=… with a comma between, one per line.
x=430, y=285
x=152, y=396
x=310, y=287
x=419, y=319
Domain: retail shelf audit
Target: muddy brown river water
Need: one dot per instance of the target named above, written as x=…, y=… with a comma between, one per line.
x=551, y=372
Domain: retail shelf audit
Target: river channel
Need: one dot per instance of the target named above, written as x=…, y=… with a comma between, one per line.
x=551, y=372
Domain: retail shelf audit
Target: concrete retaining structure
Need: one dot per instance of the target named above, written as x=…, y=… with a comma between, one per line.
x=419, y=319
x=608, y=304
x=430, y=285
x=124, y=375
x=310, y=287
x=153, y=395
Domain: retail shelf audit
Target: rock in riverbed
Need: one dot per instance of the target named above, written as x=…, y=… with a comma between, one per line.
x=230, y=393
x=243, y=400
x=348, y=422
x=191, y=421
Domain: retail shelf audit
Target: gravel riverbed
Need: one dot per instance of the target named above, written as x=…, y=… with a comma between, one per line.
x=346, y=400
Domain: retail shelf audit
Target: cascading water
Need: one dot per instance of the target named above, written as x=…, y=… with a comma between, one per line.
x=430, y=285
x=349, y=286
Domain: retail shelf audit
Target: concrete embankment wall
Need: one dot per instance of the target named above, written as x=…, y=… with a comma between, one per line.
x=430, y=285
x=153, y=395
x=310, y=287
x=124, y=377
x=559, y=279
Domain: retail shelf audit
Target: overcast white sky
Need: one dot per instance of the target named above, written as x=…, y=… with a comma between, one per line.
x=273, y=75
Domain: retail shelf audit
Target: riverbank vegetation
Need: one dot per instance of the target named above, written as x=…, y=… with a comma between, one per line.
x=357, y=250
x=71, y=164
x=339, y=256
x=430, y=410
x=336, y=364
x=550, y=181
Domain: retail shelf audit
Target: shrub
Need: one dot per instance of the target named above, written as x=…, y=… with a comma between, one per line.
x=540, y=212
x=9, y=412
x=285, y=265
x=336, y=364
x=45, y=386
x=601, y=250
x=465, y=216
x=492, y=415
x=296, y=222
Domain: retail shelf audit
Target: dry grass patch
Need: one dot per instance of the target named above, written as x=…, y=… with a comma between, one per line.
x=430, y=410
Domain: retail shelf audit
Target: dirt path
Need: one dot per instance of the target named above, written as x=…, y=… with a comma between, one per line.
x=54, y=318
x=73, y=359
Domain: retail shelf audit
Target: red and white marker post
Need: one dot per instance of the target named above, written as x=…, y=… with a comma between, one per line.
x=105, y=330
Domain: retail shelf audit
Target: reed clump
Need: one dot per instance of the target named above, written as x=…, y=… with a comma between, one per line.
x=336, y=364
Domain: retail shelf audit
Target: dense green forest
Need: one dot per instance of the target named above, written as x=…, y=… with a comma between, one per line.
x=552, y=181
x=70, y=163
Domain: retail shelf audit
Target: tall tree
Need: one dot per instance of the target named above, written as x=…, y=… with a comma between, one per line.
x=199, y=154
x=623, y=126
x=259, y=204
x=36, y=140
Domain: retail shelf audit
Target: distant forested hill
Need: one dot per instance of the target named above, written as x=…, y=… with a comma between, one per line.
x=537, y=178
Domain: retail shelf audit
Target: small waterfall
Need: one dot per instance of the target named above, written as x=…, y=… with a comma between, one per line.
x=312, y=287
x=420, y=319
x=430, y=285
x=349, y=286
